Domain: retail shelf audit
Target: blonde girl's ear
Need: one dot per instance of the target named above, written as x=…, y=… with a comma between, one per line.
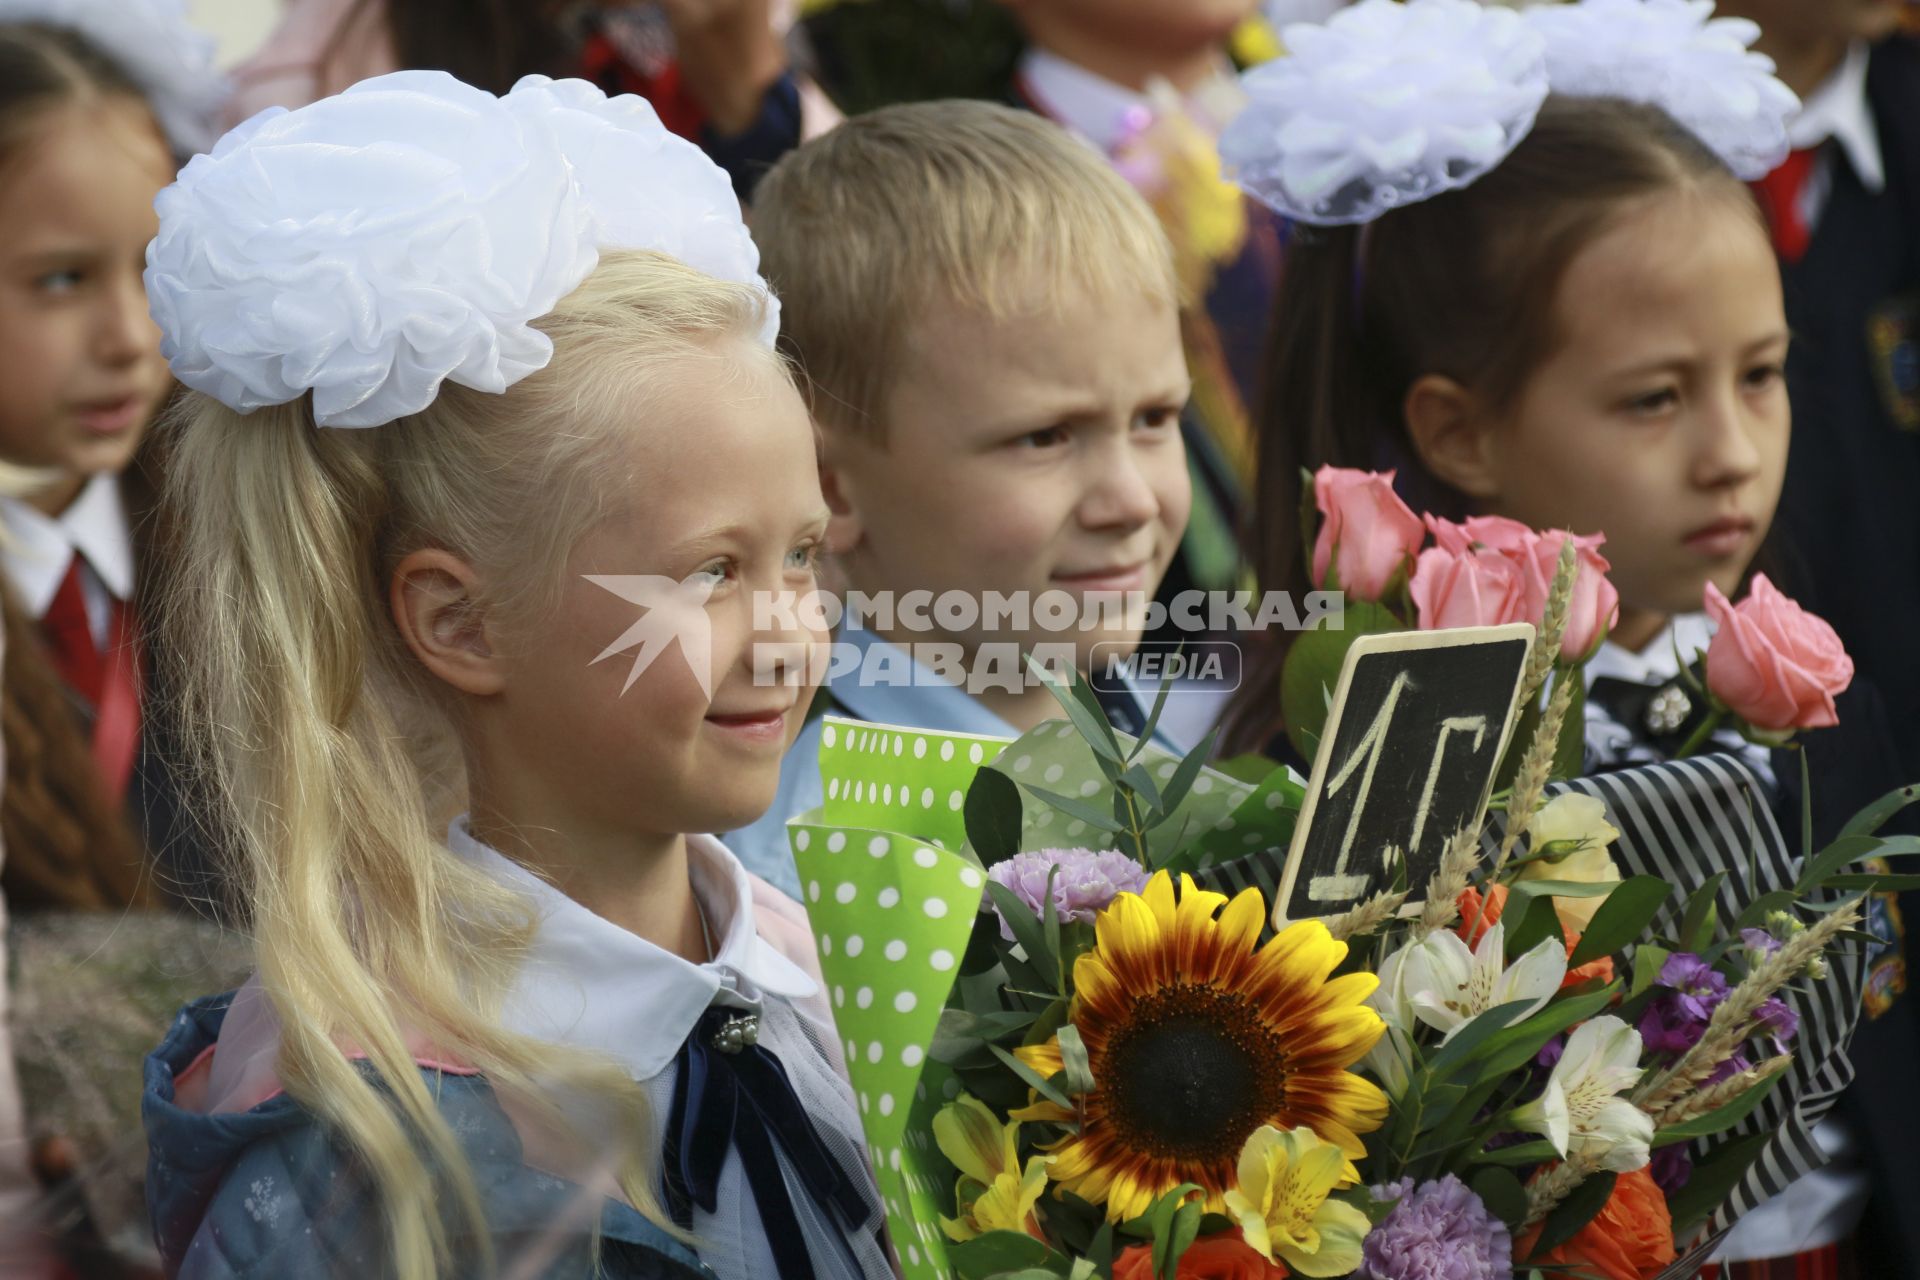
x=1453, y=437
x=435, y=599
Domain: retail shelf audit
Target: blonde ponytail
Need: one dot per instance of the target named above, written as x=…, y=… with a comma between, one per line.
x=321, y=746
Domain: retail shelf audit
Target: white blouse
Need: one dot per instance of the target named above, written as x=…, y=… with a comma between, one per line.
x=590, y=984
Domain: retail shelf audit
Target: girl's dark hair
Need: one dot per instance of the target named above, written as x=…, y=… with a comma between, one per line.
x=1462, y=285
x=489, y=44
x=43, y=67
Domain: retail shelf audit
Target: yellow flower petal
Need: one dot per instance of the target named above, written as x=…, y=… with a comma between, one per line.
x=1241, y=922
x=1044, y=1058
x=971, y=1137
x=1337, y=1230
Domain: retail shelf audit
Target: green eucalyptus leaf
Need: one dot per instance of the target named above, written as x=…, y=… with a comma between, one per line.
x=1045, y=1088
x=1027, y=929
x=1076, y=808
x=1184, y=774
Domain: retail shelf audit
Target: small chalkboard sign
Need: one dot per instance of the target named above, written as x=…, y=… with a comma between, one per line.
x=1418, y=725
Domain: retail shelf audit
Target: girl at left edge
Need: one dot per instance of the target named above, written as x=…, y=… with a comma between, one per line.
x=93, y=116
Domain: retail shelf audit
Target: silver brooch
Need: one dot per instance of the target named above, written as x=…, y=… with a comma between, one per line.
x=1669, y=710
x=740, y=1031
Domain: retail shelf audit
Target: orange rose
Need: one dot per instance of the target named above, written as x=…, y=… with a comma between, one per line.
x=1471, y=917
x=1469, y=904
x=1601, y=968
x=1629, y=1239
x=1222, y=1257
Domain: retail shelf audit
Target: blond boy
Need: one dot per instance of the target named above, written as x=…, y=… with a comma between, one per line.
x=985, y=318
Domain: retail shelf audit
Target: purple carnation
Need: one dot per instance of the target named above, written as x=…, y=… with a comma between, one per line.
x=1775, y=1015
x=1671, y=1167
x=1698, y=987
x=1087, y=881
x=1666, y=1028
x=1440, y=1231
x=1730, y=1068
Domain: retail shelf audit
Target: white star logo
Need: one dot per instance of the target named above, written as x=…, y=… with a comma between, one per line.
x=674, y=611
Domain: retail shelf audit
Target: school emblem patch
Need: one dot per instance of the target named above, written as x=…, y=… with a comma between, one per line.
x=1893, y=344
x=1886, y=954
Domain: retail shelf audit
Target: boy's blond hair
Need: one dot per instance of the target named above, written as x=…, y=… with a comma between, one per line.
x=914, y=206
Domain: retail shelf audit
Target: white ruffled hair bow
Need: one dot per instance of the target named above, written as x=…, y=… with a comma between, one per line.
x=1390, y=103
x=371, y=245
x=1677, y=56
x=152, y=41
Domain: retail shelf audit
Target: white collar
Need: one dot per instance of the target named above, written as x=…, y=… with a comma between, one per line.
x=38, y=547
x=1682, y=640
x=1104, y=112
x=1840, y=109
x=590, y=984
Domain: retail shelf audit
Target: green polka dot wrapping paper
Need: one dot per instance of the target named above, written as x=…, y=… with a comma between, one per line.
x=892, y=889
x=892, y=897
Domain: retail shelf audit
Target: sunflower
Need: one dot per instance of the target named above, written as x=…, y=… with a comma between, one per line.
x=1195, y=1039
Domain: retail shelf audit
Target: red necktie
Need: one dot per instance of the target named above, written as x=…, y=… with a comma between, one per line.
x=108, y=681
x=1782, y=196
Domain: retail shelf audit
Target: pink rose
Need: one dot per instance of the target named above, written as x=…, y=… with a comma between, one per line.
x=1595, y=605
x=1367, y=531
x=1468, y=589
x=1496, y=533
x=1775, y=665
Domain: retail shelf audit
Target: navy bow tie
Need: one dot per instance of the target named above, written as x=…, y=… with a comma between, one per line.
x=731, y=1093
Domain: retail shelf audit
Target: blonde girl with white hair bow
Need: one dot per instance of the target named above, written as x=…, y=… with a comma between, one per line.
x=489, y=448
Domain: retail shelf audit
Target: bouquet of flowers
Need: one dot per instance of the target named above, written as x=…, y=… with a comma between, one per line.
x=1077, y=1057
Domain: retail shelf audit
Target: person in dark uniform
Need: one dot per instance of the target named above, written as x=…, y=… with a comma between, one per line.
x=1845, y=215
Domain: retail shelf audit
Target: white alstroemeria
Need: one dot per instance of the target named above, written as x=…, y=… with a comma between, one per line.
x=1446, y=986
x=1582, y=1111
x=1390, y=1061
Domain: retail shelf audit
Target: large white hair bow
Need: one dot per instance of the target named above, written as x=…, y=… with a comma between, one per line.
x=373, y=244
x=1384, y=105
x=1674, y=54
x=152, y=41
x=1390, y=103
